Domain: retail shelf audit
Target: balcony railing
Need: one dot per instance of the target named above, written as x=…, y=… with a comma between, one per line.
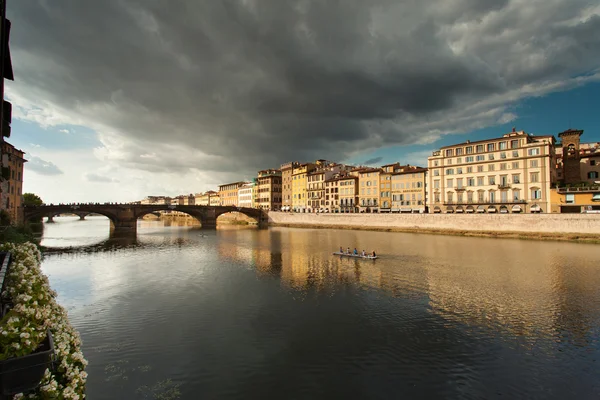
x=578, y=189
x=460, y=188
x=479, y=202
x=505, y=185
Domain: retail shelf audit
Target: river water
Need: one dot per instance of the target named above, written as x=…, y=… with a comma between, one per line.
x=180, y=312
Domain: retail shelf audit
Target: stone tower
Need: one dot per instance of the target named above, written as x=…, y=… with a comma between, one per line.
x=570, y=155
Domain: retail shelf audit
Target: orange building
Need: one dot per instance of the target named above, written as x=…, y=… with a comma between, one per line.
x=11, y=189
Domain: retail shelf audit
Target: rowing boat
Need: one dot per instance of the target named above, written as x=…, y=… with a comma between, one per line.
x=337, y=253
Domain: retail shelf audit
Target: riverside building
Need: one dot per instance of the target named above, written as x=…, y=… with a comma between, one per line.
x=11, y=189
x=269, y=190
x=228, y=193
x=286, y=184
x=409, y=189
x=510, y=174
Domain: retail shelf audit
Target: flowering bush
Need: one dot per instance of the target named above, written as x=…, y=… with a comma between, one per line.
x=35, y=311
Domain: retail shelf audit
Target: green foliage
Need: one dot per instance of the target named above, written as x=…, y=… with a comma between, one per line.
x=18, y=234
x=31, y=199
x=4, y=218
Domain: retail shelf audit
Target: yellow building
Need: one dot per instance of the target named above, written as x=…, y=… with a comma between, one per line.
x=228, y=193
x=512, y=173
x=286, y=184
x=11, y=190
x=344, y=194
x=368, y=196
x=299, y=195
x=409, y=189
x=385, y=191
x=575, y=199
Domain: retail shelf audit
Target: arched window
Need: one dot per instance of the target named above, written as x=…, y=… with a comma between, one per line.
x=593, y=175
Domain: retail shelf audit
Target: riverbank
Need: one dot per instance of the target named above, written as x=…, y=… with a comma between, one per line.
x=583, y=228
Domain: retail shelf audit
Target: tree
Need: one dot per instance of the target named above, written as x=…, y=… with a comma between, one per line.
x=30, y=199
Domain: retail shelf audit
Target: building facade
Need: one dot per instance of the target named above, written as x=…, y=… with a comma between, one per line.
x=269, y=190
x=575, y=199
x=317, y=197
x=368, y=196
x=286, y=184
x=409, y=190
x=11, y=188
x=228, y=193
x=348, y=194
x=299, y=195
x=576, y=162
x=512, y=173
x=246, y=195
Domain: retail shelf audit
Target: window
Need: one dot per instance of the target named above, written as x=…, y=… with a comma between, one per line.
x=592, y=162
x=470, y=182
x=492, y=196
x=459, y=197
x=436, y=172
x=516, y=194
x=480, y=158
x=504, y=180
x=534, y=152
x=503, y=166
x=450, y=171
x=536, y=193
x=437, y=197
x=469, y=149
x=436, y=184
x=480, y=181
x=515, y=153
x=459, y=170
x=503, y=155
x=459, y=183
x=515, y=165
x=490, y=157
x=534, y=177
x=490, y=147
x=449, y=153
x=479, y=148
x=491, y=167
x=514, y=144
x=449, y=182
x=449, y=195
x=459, y=160
x=491, y=180
x=469, y=159
x=470, y=197
x=570, y=198
x=459, y=151
x=480, y=168
x=593, y=175
x=533, y=163
x=504, y=196
x=481, y=196
x=436, y=163
x=469, y=170
x=502, y=146
x=516, y=178
x=448, y=162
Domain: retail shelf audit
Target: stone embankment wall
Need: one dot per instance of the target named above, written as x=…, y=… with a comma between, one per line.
x=583, y=224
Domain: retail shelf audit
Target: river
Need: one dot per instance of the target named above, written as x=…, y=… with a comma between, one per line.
x=180, y=312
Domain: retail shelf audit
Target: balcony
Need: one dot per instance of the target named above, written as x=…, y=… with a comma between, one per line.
x=484, y=202
x=460, y=188
x=578, y=189
x=504, y=185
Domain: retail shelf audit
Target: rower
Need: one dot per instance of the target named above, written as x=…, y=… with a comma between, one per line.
x=374, y=255
x=341, y=250
x=348, y=251
x=355, y=252
x=363, y=253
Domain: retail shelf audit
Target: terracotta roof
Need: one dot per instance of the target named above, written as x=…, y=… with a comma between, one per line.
x=412, y=171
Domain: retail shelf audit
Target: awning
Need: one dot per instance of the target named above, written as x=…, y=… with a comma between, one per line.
x=491, y=209
x=469, y=209
x=535, y=207
x=449, y=210
x=395, y=210
x=480, y=209
x=596, y=197
x=516, y=209
x=459, y=210
x=406, y=210
x=436, y=209
x=503, y=210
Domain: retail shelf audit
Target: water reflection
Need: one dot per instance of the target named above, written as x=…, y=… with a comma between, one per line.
x=272, y=312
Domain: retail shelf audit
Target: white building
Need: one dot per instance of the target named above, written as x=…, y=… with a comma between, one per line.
x=246, y=195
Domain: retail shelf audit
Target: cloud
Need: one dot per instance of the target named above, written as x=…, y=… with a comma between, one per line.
x=39, y=166
x=235, y=86
x=373, y=161
x=63, y=130
x=93, y=177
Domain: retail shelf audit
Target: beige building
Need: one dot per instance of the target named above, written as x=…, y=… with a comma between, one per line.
x=512, y=174
x=341, y=194
x=409, y=189
x=286, y=184
x=209, y=198
x=11, y=189
x=368, y=196
x=156, y=200
x=269, y=190
x=317, y=198
x=246, y=195
x=228, y=193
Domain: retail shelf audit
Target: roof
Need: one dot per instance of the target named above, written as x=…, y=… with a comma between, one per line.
x=342, y=178
x=367, y=170
x=412, y=171
x=232, y=183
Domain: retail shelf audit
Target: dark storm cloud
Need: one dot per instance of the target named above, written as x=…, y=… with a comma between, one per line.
x=373, y=161
x=245, y=85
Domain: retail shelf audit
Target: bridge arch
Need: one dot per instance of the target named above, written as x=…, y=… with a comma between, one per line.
x=53, y=211
x=196, y=214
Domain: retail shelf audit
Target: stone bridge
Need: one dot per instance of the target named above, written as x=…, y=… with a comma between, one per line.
x=124, y=217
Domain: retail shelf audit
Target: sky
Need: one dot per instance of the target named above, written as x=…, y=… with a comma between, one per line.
x=121, y=99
